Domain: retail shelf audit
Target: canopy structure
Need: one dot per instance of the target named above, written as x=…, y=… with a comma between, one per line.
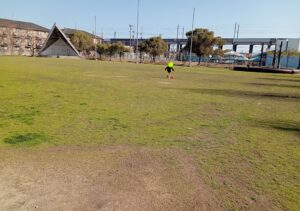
x=57, y=44
x=232, y=53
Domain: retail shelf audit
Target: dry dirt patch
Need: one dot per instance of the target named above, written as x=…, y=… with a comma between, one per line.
x=102, y=178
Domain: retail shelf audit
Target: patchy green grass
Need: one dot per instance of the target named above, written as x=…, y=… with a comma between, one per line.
x=243, y=129
x=28, y=138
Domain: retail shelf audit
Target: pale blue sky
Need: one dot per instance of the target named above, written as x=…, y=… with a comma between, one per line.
x=257, y=18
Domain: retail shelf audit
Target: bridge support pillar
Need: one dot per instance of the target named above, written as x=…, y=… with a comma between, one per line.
x=234, y=47
x=251, y=49
x=177, y=47
x=261, y=55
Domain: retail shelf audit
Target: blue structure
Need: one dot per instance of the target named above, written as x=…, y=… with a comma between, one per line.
x=285, y=61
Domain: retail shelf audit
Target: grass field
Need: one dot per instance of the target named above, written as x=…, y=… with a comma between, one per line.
x=238, y=132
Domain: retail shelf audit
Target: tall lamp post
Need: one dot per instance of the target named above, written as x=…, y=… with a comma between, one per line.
x=95, y=41
x=137, y=32
x=191, y=44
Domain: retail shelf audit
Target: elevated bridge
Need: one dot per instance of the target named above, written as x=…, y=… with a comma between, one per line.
x=180, y=43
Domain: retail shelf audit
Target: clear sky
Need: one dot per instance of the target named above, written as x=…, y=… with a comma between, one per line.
x=257, y=18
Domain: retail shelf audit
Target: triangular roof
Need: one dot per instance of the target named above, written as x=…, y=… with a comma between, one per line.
x=53, y=36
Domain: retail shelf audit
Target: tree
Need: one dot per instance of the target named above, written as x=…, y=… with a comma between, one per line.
x=102, y=49
x=219, y=43
x=143, y=48
x=203, y=42
x=155, y=46
x=112, y=50
x=218, y=52
x=82, y=41
x=121, y=49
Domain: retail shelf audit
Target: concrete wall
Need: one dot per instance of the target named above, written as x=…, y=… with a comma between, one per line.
x=59, y=48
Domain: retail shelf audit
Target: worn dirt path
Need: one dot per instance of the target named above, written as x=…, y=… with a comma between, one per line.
x=101, y=178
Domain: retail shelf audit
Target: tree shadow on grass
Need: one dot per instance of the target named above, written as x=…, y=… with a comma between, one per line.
x=280, y=79
x=241, y=93
x=283, y=125
x=275, y=85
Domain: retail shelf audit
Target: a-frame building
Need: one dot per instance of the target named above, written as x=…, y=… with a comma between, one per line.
x=57, y=44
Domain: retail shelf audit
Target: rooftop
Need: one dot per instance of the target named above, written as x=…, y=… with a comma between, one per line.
x=69, y=31
x=22, y=25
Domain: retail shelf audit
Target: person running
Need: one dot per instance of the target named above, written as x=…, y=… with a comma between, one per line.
x=169, y=69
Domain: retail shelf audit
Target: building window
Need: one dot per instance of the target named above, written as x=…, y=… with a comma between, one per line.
x=3, y=35
x=16, y=35
x=3, y=45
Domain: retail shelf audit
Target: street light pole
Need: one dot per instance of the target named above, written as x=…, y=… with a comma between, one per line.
x=191, y=44
x=95, y=41
x=130, y=43
x=177, y=43
x=234, y=30
x=137, y=32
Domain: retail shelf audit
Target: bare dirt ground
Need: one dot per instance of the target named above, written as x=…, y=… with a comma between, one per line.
x=102, y=178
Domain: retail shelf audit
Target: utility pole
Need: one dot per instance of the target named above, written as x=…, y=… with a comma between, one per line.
x=234, y=30
x=115, y=35
x=191, y=44
x=130, y=41
x=142, y=33
x=137, y=31
x=183, y=35
x=177, y=42
x=95, y=41
x=238, y=31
